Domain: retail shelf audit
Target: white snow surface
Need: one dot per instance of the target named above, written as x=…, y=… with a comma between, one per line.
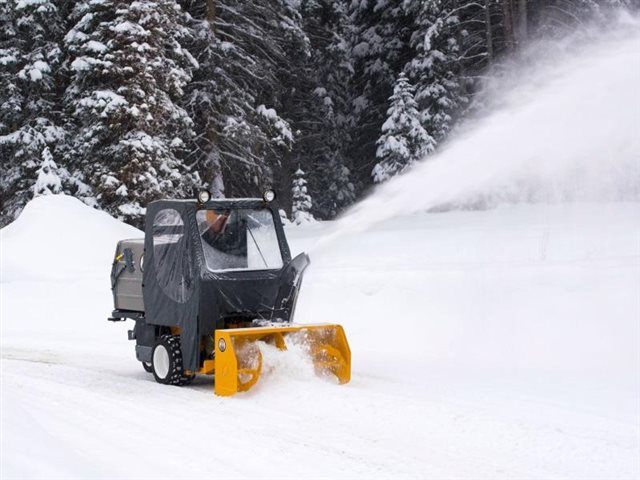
x=494, y=344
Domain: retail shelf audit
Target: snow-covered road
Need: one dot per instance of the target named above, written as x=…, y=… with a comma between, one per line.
x=496, y=344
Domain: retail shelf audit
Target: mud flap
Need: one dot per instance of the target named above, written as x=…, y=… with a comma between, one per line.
x=238, y=361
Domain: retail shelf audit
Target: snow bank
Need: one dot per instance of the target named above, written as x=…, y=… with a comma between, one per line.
x=59, y=237
x=55, y=281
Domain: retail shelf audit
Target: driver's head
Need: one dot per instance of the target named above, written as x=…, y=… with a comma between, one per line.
x=216, y=221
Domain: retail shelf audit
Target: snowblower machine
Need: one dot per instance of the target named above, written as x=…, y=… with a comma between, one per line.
x=211, y=281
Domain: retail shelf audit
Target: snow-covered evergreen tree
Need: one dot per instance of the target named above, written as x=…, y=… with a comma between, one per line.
x=48, y=181
x=301, y=203
x=435, y=68
x=322, y=112
x=379, y=45
x=339, y=182
x=128, y=70
x=234, y=98
x=30, y=121
x=403, y=141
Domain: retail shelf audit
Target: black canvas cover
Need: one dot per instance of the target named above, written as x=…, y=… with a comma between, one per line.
x=183, y=288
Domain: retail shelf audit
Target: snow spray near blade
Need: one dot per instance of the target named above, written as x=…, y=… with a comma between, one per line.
x=290, y=365
x=569, y=130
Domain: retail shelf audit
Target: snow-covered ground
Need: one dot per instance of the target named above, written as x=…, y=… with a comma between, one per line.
x=494, y=344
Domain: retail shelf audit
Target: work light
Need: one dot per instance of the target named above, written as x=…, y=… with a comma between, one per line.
x=203, y=196
x=269, y=196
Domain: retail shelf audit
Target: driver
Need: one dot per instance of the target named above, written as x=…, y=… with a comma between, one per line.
x=226, y=235
x=217, y=222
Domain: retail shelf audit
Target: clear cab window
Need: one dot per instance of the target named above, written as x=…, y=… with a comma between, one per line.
x=239, y=239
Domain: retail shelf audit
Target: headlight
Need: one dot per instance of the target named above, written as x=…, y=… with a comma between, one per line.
x=269, y=196
x=204, y=196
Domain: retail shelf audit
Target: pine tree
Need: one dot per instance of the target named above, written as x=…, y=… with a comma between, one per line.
x=128, y=70
x=30, y=123
x=339, y=184
x=403, y=140
x=48, y=181
x=379, y=45
x=301, y=200
x=435, y=69
x=236, y=93
x=321, y=108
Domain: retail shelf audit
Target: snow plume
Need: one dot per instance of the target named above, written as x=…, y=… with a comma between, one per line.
x=285, y=365
x=566, y=128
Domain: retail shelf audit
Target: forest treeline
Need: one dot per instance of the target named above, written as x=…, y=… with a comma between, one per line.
x=120, y=103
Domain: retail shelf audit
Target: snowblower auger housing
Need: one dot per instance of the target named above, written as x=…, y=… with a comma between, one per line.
x=210, y=280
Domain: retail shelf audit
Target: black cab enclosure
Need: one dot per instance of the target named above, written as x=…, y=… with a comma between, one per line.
x=214, y=265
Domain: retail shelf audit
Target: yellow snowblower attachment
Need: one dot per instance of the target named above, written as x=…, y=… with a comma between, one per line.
x=238, y=360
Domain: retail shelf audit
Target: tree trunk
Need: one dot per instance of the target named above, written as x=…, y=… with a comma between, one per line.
x=522, y=22
x=216, y=185
x=507, y=13
x=489, y=29
x=214, y=168
x=211, y=15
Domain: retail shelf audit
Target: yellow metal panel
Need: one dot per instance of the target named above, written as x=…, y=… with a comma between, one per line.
x=208, y=367
x=238, y=361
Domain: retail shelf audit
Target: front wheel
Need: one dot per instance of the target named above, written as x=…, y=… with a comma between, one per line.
x=166, y=362
x=147, y=367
